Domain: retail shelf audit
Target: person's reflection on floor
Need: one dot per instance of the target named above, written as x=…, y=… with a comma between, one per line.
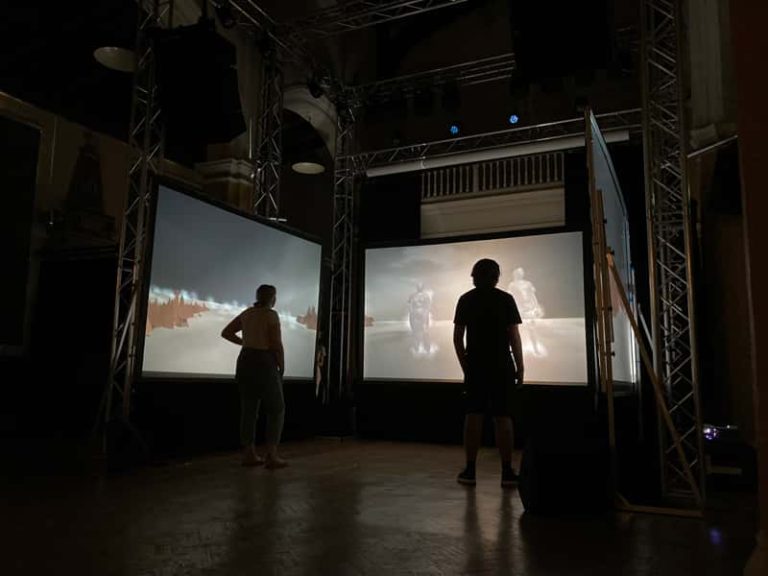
x=256, y=522
x=326, y=515
x=504, y=550
x=473, y=537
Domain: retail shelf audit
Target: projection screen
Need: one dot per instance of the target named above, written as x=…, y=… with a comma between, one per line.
x=206, y=265
x=411, y=294
x=624, y=357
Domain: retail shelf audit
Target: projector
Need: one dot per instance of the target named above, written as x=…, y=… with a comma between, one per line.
x=727, y=454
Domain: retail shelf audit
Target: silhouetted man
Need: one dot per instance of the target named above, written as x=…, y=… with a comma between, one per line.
x=490, y=318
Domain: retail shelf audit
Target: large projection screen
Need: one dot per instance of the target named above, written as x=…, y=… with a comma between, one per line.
x=206, y=265
x=411, y=294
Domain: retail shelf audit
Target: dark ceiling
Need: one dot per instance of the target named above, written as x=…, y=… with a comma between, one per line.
x=46, y=51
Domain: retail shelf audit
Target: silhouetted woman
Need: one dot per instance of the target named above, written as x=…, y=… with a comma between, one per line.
x=260, y=367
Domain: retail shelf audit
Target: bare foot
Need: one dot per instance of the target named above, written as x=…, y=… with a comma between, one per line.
x=250, y=458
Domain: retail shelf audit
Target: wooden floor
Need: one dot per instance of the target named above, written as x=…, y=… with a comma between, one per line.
x=340, y=508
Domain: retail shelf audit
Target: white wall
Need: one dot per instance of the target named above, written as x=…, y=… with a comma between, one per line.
x=498, y=213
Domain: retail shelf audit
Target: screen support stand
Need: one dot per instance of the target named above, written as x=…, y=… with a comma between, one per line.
x=338, y=406
x=661, y=402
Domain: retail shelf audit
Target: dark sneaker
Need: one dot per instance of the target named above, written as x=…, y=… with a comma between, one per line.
x=466, y=477
x=509, y=478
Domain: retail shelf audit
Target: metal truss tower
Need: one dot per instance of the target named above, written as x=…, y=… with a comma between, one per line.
x=669, y=238
x=346, y=179
x=268, y=160
x=145, y=139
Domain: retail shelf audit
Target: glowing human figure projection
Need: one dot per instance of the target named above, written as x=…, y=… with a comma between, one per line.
x=524, y=293
x=419, y=319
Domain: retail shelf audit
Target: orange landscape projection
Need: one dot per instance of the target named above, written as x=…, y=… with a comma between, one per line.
x=308, y=320
x=173, y=313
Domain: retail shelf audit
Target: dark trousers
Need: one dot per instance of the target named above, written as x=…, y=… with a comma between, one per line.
x=260, y=384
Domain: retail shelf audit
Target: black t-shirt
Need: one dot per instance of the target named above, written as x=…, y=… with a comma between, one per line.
x=487, y=313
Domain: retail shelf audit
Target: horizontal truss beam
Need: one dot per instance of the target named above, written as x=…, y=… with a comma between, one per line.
x=626, y=119
x=470, y=73
x=349, y=16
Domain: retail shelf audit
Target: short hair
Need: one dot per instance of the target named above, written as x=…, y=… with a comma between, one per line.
x=486, y=272
x=265, y=293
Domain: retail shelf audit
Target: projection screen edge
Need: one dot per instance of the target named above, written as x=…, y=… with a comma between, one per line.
x=554, y=145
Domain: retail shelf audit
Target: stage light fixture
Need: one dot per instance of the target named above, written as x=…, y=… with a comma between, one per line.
x=514, y=119
x=454, y=129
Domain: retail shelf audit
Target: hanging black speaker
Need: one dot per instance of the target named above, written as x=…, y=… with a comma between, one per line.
x=197, y=81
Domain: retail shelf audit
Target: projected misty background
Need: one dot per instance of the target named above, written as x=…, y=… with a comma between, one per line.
x=206, y=266
x=411, y=294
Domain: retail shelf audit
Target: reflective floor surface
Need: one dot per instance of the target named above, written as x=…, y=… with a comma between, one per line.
x=350, y=507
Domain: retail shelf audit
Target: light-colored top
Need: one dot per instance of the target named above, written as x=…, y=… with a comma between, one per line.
x=261, y=328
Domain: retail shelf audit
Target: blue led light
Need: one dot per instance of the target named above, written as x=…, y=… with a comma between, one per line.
x=454, y=129
x=514, y=119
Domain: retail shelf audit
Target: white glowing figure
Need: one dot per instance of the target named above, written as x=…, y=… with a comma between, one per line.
x=420, y=319
x=524, y=293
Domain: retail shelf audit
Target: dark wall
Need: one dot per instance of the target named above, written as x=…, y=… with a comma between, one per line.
x=19, y=145
x=55, y=390
x=720, y=284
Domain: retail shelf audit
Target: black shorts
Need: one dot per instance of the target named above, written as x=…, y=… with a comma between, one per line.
x=489, y=388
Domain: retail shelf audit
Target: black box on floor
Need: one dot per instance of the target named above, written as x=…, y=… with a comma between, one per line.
x=565, y=475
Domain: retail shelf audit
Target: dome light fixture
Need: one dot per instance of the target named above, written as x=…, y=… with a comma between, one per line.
x=310, y=168
x=115, y=58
